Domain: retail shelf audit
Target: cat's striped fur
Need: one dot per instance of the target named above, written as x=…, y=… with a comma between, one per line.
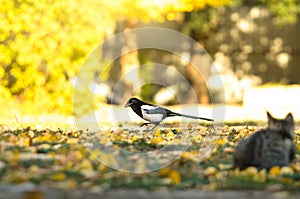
x=268, y=147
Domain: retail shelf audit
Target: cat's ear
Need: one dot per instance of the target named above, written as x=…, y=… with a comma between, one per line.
x=289, y=118
x=270, y=120
x=269, y=115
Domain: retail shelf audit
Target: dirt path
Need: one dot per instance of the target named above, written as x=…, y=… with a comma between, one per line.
x=30, y=191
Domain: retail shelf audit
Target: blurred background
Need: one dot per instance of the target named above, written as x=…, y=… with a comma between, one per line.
x=252, y=43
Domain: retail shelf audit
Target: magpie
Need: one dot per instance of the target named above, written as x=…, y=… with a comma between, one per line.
x=154, y=114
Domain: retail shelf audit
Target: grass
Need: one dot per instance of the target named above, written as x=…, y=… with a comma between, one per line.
x=70, y=159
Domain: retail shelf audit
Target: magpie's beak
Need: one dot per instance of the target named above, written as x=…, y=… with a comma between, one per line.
x=128, y=104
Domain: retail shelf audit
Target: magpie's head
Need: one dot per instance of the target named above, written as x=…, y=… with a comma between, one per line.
x=133, y=101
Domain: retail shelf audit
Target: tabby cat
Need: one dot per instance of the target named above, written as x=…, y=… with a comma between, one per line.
x=268, y=147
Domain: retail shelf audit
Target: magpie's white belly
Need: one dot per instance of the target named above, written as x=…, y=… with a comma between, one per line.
x=152, y=117
x=152, y=114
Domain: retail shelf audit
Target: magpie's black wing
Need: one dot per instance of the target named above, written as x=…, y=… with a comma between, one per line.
x=154, y=109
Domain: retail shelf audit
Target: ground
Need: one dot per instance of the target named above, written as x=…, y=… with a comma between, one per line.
x=28, y=191
x=57, y=160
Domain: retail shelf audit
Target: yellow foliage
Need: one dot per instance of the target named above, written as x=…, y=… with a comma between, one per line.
x=156, y=132
x=58, y=176
x=84, y=165
x=275, y=170
x=24, y=141
x=210, y=171
x=102, y=167
x=164, y=171
x=44, y=49
x=252, y=171
x=73, y=165
x=31, y=134
x=47, y=41
x=72, y=141
x=221, y=141
x=296, y=166
x=15, y=156
x=191, y=155
x=175, y=177
x=33, y=169
x=262, y=176
x=156, y=140
x=286, y=170
x=288, y=180
x=172, y=174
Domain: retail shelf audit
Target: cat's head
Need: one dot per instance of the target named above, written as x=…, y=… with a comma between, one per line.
x=283, y=126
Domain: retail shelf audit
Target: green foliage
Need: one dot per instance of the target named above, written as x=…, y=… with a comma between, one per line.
x=199, y=24
x=285, y=11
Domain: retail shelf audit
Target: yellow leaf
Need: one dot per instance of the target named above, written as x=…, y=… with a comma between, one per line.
x=44, y=146
x=261, y=176
x=31, y=134
x=105, y=140
x=58, y=176
x=221, y=141
x=33, y=169
x=224, y=166
x=286, y=171
x=156, y=132
x=296, y=166
x=102, y=167
x=212, y=186
x=118, y=137
x=164, y=171
x=156, y=140
x=13, y=139
x=72, y=140
x=16, y=156
x=210, y=171
x=171, y=16
x=275, y=170
x=252, y=171
x=134, y=138
x=237, y=172
x=84, y=165
x=175, y=177
x=78, y=154
x=198, y=138
x=288, y=180
x=24, y=141
x=192, y=156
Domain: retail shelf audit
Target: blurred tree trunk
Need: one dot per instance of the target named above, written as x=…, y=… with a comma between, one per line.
x=198, y=85
x=129, y=61
x=198, y=72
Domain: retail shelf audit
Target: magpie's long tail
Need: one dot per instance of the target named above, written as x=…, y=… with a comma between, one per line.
x=189, y=116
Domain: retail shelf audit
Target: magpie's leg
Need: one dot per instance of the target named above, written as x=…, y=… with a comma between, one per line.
x=155, y=125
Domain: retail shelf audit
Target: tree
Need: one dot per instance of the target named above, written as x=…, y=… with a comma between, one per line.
x=43, y=45
x=157, y=11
